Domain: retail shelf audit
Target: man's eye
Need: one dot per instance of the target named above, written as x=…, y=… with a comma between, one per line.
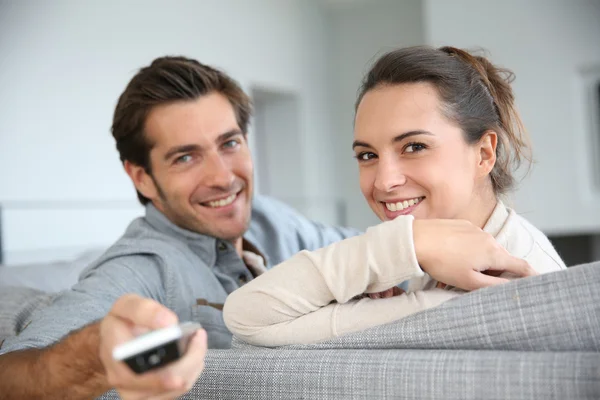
x=230, y=144
x=365, y=156
x=414, y=148
x=183, y=159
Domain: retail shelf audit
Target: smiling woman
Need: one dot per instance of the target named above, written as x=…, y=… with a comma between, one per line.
x=437, y=138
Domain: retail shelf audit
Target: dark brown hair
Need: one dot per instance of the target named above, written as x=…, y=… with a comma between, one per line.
x=167, y=80
x=476, y=95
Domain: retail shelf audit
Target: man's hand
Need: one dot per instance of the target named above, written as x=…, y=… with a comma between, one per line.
x=460, y=254
x=132, y=315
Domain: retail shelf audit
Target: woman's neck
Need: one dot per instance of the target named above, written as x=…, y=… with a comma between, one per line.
x=482, y=207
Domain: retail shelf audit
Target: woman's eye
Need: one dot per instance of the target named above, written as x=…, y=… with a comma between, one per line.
x=365, y=156
x=414, y=148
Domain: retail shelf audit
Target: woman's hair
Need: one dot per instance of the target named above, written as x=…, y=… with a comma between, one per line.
x=475, y=94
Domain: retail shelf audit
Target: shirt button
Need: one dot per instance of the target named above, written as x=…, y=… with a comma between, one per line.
x=222, y=246
x=242, y=279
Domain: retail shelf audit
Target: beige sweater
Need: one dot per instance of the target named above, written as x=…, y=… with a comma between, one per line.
x=310, y=297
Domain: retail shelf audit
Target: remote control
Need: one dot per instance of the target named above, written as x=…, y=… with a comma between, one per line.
x=156, y=348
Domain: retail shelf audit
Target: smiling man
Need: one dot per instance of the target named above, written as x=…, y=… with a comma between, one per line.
x=200, y=170
x=180, y=129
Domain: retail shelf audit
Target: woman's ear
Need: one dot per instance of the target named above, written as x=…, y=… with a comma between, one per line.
x=142, y=181
x=487, y=152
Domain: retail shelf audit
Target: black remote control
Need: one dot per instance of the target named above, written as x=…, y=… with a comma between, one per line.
x=157, y=348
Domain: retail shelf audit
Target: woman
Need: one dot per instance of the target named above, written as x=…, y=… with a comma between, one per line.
x=437, y=137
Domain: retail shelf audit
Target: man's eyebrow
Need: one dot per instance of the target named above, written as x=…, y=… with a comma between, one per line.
x=398, y=138
x=228, y=135
x=186, y=148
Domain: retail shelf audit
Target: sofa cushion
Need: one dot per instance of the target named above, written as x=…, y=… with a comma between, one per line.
x=16, y=306
x=395, y=374
x=559, y=311
x=48, y=276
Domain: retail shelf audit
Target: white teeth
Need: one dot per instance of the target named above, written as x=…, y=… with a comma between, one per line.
x=401, y=205
x=222, y=202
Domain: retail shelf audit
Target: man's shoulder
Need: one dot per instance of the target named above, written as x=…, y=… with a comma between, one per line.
x=272, y=208
x=141, y=243
x=275, y=228
x=141, y=237
x=273, y=217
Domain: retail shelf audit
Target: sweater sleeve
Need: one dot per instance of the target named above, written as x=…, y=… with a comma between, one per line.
x=309, y=297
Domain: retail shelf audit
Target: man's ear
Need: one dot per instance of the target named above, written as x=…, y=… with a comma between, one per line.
x=141, y=179
x=487, y=152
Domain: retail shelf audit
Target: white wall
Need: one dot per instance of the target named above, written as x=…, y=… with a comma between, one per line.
x=277, y=140
x=361, y=31
x=546, y=43
x=64, y=63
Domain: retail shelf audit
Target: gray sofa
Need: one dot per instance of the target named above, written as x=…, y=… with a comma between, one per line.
x=534, y=338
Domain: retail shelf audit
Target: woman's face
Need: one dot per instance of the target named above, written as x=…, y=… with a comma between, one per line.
x=414, y=160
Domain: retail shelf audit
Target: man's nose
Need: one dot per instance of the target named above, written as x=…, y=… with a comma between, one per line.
x=218, y=172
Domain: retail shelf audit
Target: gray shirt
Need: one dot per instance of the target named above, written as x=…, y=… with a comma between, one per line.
x=190, y=273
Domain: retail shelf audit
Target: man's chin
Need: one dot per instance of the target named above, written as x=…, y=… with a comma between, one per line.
x=229, y=235
x=230, y=230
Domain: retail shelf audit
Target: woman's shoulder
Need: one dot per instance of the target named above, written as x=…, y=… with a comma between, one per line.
x=526, y=241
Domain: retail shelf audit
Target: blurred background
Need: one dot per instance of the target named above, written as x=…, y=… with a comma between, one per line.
x=63, y=64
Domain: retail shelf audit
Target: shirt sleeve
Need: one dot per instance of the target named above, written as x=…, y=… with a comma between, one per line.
x=310, y=297
x=90, y=300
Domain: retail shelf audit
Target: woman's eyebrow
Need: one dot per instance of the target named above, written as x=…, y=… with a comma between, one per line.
x=405, y=135
x=399, y=138
x=358, y=143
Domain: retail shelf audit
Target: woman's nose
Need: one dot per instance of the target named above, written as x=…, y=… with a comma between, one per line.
x=390, y=174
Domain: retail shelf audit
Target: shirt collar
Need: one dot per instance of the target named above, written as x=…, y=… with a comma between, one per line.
x=497, y=220
x=204, y=245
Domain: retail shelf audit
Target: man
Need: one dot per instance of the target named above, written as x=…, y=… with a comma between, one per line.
x=180, y=128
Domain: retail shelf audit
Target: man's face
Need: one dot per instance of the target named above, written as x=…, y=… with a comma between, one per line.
x=201, y=168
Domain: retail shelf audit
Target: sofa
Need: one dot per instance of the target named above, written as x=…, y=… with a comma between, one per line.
x=533, y=338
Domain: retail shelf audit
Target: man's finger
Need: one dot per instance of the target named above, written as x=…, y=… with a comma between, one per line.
x=188, y=368
x=173, y=377
x=151, y=381
x=142, y=311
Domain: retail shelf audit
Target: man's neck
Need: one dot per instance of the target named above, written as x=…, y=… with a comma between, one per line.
x=238, y=244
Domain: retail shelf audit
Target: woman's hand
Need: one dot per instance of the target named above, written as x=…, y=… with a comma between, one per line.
x=459, y=254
